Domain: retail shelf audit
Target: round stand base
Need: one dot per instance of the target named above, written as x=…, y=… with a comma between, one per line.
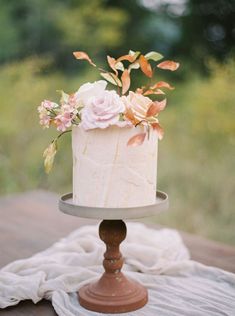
x=113, y=293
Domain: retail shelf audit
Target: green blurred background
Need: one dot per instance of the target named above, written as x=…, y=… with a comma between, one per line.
x=196, y=156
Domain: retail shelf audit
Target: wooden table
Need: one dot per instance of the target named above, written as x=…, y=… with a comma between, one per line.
x=30, y=222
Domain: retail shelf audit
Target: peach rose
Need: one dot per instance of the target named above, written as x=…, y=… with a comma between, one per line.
x=138, y=104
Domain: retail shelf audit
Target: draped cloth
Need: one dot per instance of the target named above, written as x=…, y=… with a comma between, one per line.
x=158, y=259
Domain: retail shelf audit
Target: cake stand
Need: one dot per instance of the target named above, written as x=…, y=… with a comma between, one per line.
x=113, y=292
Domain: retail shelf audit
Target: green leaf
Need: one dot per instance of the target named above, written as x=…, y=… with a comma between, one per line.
x=153, y=56
x=132, y=53
x=112, y=78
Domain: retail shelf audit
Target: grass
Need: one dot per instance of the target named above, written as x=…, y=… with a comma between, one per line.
x=196, y=156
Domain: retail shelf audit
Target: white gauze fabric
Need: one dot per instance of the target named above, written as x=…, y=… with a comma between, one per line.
x=177, y=286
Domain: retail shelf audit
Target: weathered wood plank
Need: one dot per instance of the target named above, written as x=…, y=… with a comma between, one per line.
x=210, y=252
x=31, y=222
x=27, y=308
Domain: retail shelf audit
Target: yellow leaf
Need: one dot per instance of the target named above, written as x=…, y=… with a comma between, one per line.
x=132, y=53
x=112, y=63
x=135, y=65
x=153, y=56
x=112, y=78
x=49, y=155
x=119, y=66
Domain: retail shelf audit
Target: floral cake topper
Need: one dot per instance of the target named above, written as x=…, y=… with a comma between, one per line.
x=93, y=106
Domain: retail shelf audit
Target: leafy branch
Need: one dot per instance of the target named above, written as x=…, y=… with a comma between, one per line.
x=121, y=76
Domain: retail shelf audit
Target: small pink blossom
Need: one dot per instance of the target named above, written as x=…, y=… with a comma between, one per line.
x=63, y=121
x=48, y=105
x=69, y=101
x=72, y=101
x=44, y=120
x=44, y=117
x=68, y=107
x=44, y=112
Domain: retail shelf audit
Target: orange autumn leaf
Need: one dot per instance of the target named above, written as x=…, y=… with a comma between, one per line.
x=136, y=140
x=130, y=58
x=150, y=91
x=162, y=84
x=126, y=81
x=156, y=107
x=83, y=55
x=157, y=127
x=145, y=66
x=168, y=65
x=112, y=63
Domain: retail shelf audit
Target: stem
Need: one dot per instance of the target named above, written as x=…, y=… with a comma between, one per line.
x=119, y=91
x=62, y=134
x=101, y=69
x=140, y=122
x=151, y=79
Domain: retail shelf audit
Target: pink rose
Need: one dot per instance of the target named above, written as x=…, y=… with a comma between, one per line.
x=102, y=110
x=89, y=90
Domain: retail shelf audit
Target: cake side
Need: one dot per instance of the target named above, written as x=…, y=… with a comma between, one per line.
x=108, y=173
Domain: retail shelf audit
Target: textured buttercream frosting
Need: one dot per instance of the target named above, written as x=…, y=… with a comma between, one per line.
x=108, y=173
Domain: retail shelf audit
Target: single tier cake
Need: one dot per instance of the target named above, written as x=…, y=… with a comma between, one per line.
x=115, y=131
x=108, y=173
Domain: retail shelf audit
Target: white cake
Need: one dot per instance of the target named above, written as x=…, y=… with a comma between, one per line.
x=115, y=132
x=108, y=173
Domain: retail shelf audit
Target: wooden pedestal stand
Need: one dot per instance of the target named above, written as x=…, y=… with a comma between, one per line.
x=113, y=292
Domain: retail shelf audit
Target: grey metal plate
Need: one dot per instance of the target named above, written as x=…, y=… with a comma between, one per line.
x=66, y=206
